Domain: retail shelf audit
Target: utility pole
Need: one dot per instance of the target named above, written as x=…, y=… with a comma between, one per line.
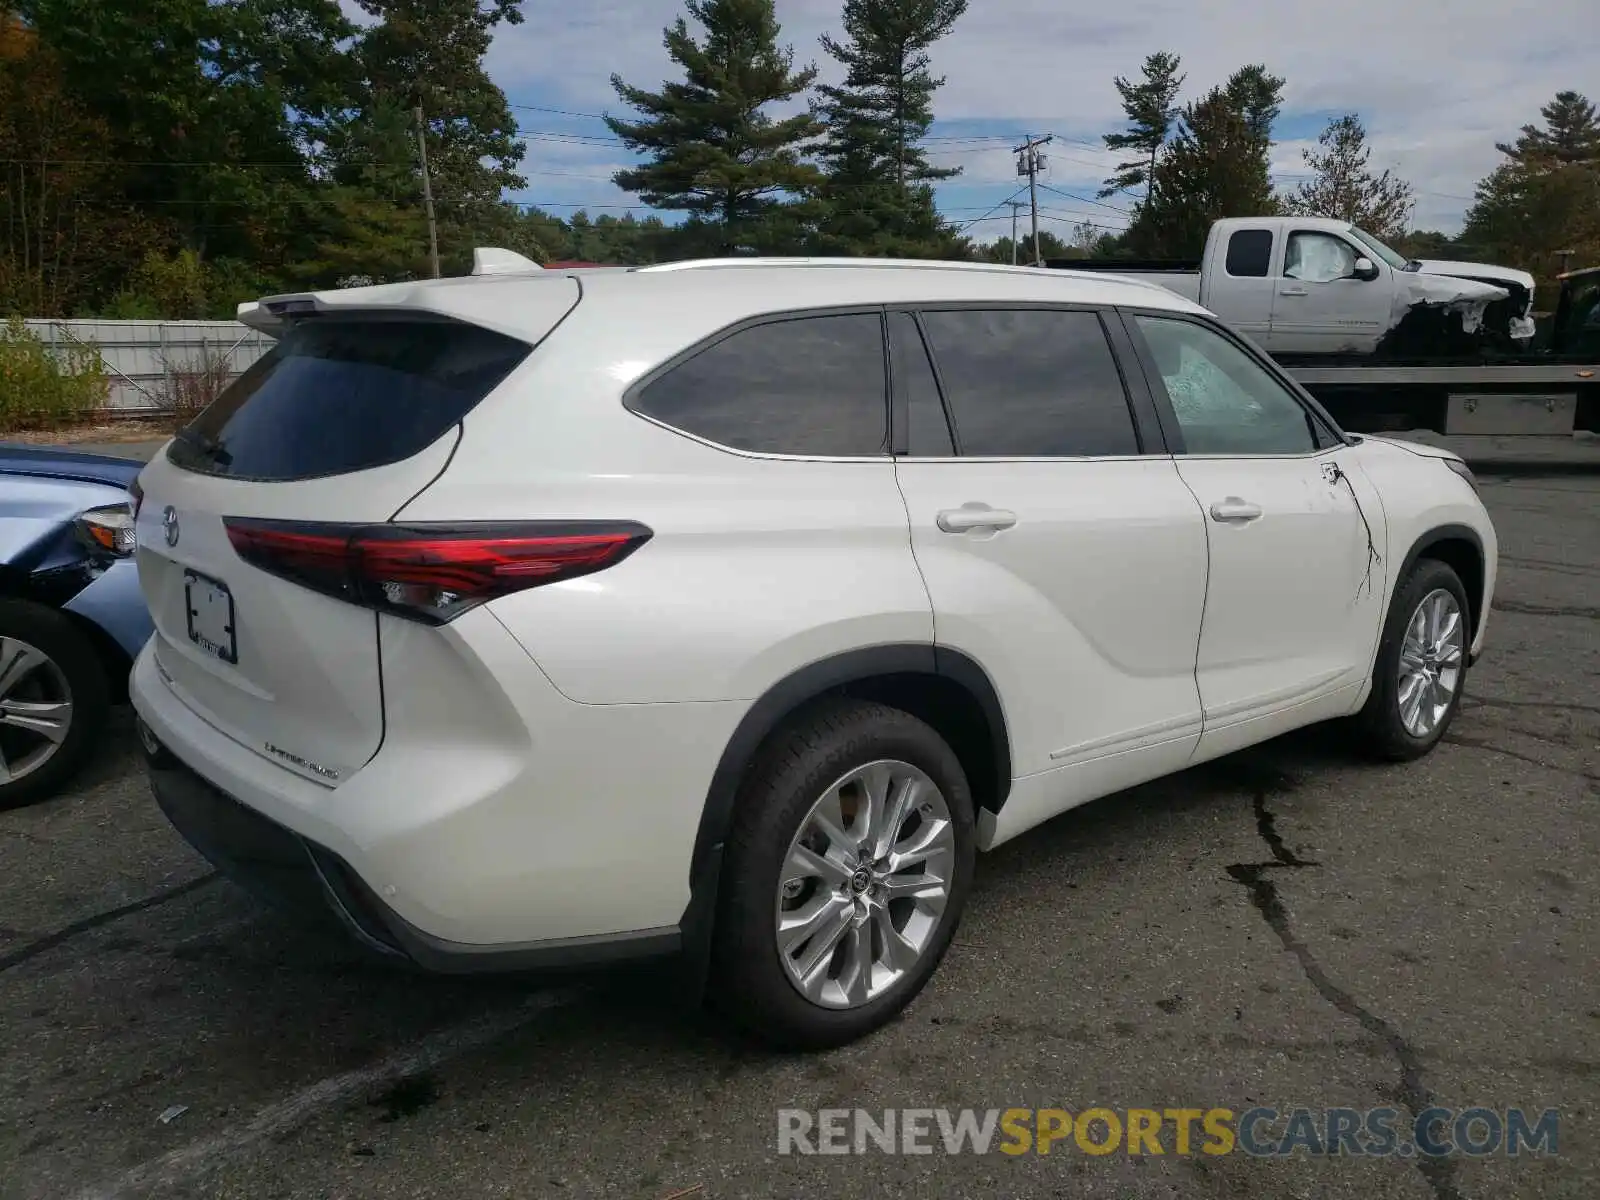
x=427, y=191
x=1029, y=161
x=1015, y=206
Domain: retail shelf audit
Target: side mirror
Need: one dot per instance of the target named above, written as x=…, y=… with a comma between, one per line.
x=1366, y=270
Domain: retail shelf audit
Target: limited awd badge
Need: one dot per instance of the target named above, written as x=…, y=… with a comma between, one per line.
x=169, y=525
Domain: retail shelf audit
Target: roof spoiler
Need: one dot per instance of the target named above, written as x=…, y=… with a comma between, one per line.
x=493, y=260
x=253, y=314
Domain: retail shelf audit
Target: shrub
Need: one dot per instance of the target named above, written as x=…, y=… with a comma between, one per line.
x=190, y=385
x=41, y=388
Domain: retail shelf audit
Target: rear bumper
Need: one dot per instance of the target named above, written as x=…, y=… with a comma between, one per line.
x=290, y=871
x=499, y=826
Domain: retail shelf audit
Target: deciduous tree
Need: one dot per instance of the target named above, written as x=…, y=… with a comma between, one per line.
x=1344, y=187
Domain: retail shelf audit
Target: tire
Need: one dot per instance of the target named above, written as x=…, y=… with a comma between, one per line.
x=70, y=670
x=795, y=770
x=1380, y=727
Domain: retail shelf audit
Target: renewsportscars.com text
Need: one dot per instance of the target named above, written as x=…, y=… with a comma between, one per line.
x=1258, y=1132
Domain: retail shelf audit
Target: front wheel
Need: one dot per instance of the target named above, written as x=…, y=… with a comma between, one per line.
x=844, y=877
x=1421, y=666
x=53, y=701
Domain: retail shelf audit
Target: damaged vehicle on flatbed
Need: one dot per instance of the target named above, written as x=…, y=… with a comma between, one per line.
x=1389, y=344
x=1310, y=288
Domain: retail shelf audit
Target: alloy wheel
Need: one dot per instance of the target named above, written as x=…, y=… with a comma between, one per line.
x=35, y=709
x=1431, y=657
x=864, y=884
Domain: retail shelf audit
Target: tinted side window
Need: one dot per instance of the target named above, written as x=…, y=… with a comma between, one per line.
x=812, y=385
x=1250, y=253
x=1031, y=383
x=927, y=433
x=337, y=395
x=1225, y=402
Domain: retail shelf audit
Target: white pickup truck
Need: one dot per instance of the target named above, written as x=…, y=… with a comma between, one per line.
x=1311, y=288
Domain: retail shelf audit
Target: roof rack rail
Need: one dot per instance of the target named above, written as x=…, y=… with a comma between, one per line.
x=912, y=264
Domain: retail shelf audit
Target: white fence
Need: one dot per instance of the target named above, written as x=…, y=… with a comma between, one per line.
x=138, y=355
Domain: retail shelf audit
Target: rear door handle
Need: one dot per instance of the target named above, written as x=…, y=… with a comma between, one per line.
x=1292, y=291
x=1234, y=509
x=975, y=516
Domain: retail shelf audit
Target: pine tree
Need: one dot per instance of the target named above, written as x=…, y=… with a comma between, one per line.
x=715, y=152
x=1151, y=109
x=429, y=54
x=1344, y=187
x=1572, y=134
x=876, y=197
x=1546, y=197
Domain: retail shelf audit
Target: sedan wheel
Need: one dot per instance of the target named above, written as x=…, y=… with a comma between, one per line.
x=53, y=698
x=35, y=709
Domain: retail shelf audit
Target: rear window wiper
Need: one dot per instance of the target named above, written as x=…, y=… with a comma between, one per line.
x=205, y=445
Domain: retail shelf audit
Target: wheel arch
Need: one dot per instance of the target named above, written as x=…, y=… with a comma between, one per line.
x=944, y=687
x=1459, y=547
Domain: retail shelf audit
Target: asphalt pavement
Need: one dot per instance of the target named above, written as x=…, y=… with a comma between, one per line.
x=1285, y=927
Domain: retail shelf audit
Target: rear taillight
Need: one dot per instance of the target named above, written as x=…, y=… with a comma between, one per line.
x=431, y=573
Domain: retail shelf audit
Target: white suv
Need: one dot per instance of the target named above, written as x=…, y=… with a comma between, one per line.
x=731, y=607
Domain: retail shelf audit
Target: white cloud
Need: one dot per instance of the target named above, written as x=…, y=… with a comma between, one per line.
x=1436, y=81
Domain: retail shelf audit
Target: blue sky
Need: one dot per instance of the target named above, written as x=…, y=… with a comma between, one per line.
x=1436, y=82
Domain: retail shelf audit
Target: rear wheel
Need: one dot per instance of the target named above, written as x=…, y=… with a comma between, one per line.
x=53, y=701
x=1421, y=666
x=844, y=877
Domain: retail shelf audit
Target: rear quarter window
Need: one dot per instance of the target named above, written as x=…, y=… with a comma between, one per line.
x=339, y=395
x=813, y=385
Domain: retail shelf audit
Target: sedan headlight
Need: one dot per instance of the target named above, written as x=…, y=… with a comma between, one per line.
x=1461, y=469
x=108, y=530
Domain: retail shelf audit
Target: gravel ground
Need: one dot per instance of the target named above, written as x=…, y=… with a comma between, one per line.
x=1284, y=927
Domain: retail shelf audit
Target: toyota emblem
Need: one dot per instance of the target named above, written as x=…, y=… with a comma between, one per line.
x=169, y=524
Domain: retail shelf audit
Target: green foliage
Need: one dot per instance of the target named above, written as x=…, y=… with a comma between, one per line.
x=1545, y=199
x=1217, y=166
x=1151, y=108
x=1344, y=187
x=1571, y=134
x=876, y=197
x=181, y=155
x=715, y=152
x=45, y=389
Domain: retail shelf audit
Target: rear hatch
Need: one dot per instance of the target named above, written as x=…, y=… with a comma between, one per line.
x=344, y=421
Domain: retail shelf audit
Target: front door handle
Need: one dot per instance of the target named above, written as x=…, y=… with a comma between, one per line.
x=1292, y=291
x=1234, y=509
x=975, y=516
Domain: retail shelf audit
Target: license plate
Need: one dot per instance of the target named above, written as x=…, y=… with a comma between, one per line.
x=211, y=619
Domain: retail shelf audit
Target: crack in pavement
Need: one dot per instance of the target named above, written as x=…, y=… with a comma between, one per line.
x=1474, y=701
x=51, y=940
x=1455, y=739
x=1439, y=1173
x=1583, y=611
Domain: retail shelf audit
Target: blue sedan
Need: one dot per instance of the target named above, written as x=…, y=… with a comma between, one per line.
x=72, y=618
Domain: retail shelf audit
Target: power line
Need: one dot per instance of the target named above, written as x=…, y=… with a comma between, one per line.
x=1084, y=199
x=987, y=212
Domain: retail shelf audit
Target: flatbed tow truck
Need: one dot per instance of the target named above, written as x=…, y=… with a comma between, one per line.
x=1389, y=345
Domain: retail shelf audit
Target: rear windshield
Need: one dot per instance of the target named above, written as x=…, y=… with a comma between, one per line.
x=336, y=395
